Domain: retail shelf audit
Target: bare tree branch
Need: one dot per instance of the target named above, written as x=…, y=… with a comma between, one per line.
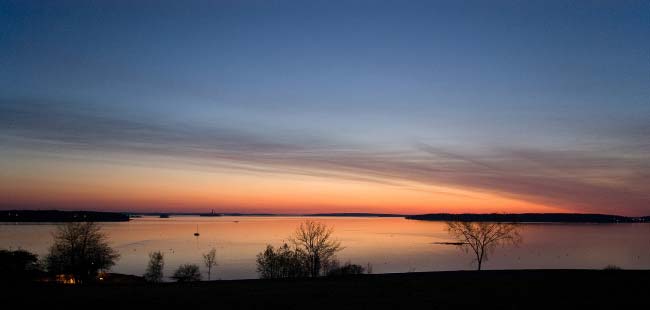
x=482, y=238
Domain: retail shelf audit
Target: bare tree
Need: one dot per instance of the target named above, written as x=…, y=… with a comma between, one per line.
x=210, y=260
x=155, y=267
x=483, y=237
x=315, y=240
x=80, y=249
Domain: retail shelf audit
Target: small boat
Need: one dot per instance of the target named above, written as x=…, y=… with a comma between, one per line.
x=197, y=231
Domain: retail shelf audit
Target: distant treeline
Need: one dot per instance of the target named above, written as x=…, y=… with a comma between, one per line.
x=168, y=214
x=356, y=214
x=60, y=216
x=530, y=218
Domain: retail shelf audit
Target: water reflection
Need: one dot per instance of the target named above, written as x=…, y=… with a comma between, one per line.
x=389, y=244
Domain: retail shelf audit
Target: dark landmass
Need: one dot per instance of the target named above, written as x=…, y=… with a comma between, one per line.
x=449, y=243
x=356, y=214
x=503, y=289
x=211, y=214
x=72, y=216
x=170, y=214
x=530, y=218
x=256, y=214
x=61, y=216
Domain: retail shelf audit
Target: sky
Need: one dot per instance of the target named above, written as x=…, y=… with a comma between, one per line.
x=326, y=106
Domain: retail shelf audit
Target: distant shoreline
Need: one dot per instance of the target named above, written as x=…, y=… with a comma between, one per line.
x=530, y=218
x=351, y=214
x=56, y=216
x=98, y=216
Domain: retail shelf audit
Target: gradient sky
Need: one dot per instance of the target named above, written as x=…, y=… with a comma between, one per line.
x=326, y=106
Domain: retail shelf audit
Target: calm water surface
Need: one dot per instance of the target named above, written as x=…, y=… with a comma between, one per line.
x=389, y=244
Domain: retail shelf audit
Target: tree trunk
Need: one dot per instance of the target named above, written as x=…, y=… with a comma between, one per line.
x=316, y=268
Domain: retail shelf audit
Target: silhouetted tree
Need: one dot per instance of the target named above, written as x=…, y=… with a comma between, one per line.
x=155, y=267
x=283, y=262
x=314, y=240
x=18, y=265
x=187, y=273
x=210, y=260
x=483, y=237
x=80, y=249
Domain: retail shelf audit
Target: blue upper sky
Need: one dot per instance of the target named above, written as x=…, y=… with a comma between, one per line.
x=554, y=84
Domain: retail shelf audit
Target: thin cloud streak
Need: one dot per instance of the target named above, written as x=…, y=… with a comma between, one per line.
x=589, y=180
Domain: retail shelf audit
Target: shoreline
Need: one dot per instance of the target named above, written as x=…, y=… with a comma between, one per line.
x=57, y=216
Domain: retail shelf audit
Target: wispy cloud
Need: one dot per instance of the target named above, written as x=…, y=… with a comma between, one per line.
x=605, y=178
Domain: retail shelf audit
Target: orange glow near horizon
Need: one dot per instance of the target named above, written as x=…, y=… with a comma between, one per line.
x=297, y=107
x=109, y=186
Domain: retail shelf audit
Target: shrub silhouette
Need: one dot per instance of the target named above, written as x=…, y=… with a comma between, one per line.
x=283, y=262
x=336, y=269
x=18, y=265
x=187, y=273
x=313, y=250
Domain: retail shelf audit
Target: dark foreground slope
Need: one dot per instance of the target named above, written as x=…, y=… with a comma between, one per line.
x=533, y=289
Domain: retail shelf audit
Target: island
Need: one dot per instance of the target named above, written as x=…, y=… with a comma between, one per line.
x=355, y=215
x=530, y=218
x=61, y=216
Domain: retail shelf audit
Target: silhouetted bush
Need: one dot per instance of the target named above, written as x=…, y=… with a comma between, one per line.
x=18, y=265
x=612, y=267
x=336, y=269
x=187, y=273
x=283, y=262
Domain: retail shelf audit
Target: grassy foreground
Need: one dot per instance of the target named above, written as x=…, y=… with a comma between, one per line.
x=504, y=289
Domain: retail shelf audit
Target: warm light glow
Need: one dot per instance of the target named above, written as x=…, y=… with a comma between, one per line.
x=81, y=185
x=65, y=279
